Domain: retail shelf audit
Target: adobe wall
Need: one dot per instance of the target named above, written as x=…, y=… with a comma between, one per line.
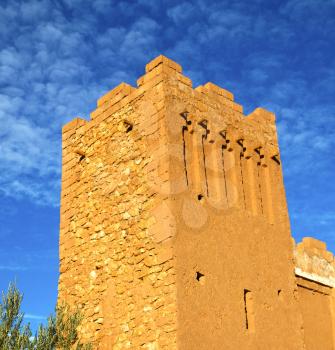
x=234, y=258
x=315, y=270
x=174, y=225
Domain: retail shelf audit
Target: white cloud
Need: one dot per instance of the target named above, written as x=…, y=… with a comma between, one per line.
x=181, y=12
x=34, y=10
x=35, y=317
x=307, y=9
x=258, y=75
x=20, y=259
x=12, y=268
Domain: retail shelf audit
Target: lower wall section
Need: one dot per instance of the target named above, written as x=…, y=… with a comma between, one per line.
x=235, y=285
x=315, y=302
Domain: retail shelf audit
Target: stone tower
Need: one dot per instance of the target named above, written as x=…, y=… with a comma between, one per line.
x=174, y=225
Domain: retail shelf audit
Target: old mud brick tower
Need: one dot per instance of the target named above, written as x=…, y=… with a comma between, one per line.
x=174, y=226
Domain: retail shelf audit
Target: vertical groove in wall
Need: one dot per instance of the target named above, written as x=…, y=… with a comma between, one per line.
x=268, y=194
x=196, y=178
x=184, y=129
x=278, y=191
x=238, y=176
x=252, y=185
x=203, y=138
x=216, y=175
x=232, y=185
x=204, y=133
x=213, y=172
x=224, y=175
x=260, y=187
x=242, y=180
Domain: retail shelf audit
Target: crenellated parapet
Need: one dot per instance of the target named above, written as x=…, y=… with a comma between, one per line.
x=314, y=262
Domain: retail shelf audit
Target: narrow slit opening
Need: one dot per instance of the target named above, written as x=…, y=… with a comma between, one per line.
x=280, y=294
x=245, y=308
x=200, y=277
x=81, y=155
x=249, y=311
x=128, y=126
x=276, y=159
x=200, y=197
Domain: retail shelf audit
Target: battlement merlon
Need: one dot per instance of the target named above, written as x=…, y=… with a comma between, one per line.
x=314, y=262
x=161, y=59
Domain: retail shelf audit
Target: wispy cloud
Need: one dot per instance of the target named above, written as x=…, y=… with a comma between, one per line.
x=181, y=12
x=12, y=268
x=35, y=317
x=17, y=259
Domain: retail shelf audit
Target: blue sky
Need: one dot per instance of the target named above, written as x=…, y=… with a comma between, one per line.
x=58, y=56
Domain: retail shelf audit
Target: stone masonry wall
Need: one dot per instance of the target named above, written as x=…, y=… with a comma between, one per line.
x=115, y=263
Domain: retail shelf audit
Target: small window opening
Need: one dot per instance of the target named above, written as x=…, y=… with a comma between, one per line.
x=81, y=154
x=240, y=142
x=200, y=277
x=280, y=294
x=128, y=126
x=200, y=197
x=203, y=123
x=184, y=115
